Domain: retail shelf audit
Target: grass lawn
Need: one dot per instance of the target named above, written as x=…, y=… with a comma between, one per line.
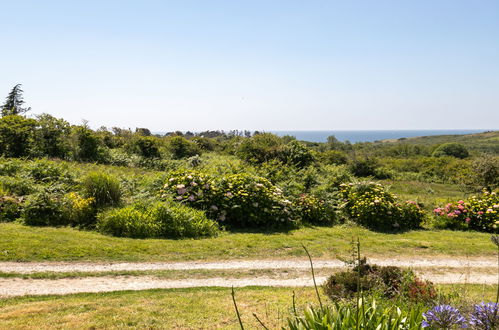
x=23, y=243
x=176, y=308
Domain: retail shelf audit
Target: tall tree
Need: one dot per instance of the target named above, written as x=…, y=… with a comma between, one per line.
x=14, y=103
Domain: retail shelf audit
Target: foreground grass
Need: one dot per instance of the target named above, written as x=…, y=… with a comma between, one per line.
x=177, y=308
x=23, y=243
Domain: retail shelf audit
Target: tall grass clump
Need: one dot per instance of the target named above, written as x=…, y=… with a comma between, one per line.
x=104, y=188
x=156, y=220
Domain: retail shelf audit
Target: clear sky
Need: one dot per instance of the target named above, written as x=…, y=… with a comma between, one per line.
x=266, y=65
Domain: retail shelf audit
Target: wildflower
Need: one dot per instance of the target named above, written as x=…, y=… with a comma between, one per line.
x=485, y=316
x=206, y=186
x=259, y=185
x=181, y=191
x=443, y=317
x=228, y=194
x=468, y=220
x=214, y=208
x=490, y=210
x=180, y=186
x=193, y=183
x=171, y=179
x=191, y=198
x=179, y=198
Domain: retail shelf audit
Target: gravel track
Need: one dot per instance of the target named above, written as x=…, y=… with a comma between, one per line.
x=64, y=267
x=10, y=287
x=457, y=270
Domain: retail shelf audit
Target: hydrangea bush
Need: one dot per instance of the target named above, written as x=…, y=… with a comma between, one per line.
x=369, y=204
x=477, y=213
x=235, y=200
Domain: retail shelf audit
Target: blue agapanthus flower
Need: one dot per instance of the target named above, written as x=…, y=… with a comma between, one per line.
x=443, y=317
x=485, y=316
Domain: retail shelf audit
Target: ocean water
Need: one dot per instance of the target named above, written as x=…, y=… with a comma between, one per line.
x=369, y=136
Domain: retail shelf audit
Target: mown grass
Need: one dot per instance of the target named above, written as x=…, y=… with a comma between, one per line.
x=208, y=308
x=23, y=243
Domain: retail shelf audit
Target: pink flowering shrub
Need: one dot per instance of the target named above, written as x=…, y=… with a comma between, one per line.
x=235, y=200
x=477, y=213
x=370, y=205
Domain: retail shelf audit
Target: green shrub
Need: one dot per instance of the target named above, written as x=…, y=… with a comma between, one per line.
x=364, y=167
x=334, y=157
x=370, y=205
x=313, y=210
x=145, y=146
x=235, y=200
x=451, y=149
x=18, y=186
x=156, y=220
x=44, y=171
x=10, y=208
x=44, y=209
x=104, y=188
x=486, y=172
x=180, y=147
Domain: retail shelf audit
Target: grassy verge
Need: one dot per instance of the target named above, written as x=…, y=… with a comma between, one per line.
x=178, y=308
x=23, y=243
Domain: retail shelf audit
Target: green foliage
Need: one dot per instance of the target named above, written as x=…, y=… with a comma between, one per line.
x=51, y=137
x=14, y=185
x=451, y=149
x=156, y=220
x=333, y=157
x=313, y=210
x=84, y=144
x=370, y=205
x=261, y=148
x=477, y=213
x=342, y=316
x=297, y=154
x=13, y=103
x=10, y=208
x=16, y=135
x=486, y=172
x=180, y=147
x=145, y=146
x=236, y=200
x=104, y=188
x=44, y=208
x=364, y=167
x=45, y=171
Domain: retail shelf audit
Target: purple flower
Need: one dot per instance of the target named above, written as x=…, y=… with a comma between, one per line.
x=443, y=317
x=485, y=316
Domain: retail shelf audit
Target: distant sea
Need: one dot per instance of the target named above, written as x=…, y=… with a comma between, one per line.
x=370, y=136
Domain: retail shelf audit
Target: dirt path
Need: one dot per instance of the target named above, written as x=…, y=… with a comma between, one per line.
x=438, y=270
x=64, y=267
x=10, y=287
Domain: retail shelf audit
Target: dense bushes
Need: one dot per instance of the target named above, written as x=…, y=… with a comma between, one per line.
x=103, y=188
x=44, y=209
x=476, y=213
x=235, y=200
x=156, y=220
x=451, y=149
x=266, y=147
x=386, y=281
x=369, y=204
x=10, y=208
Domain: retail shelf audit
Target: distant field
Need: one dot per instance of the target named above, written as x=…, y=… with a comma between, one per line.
x=179, y=308
x=23, y=243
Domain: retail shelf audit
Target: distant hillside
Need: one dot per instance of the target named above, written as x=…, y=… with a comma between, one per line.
x=487, y=141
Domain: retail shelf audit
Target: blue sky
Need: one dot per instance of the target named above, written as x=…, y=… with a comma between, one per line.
x=266, y=65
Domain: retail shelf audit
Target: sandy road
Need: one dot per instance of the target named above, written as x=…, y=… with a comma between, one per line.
x=438, y=270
